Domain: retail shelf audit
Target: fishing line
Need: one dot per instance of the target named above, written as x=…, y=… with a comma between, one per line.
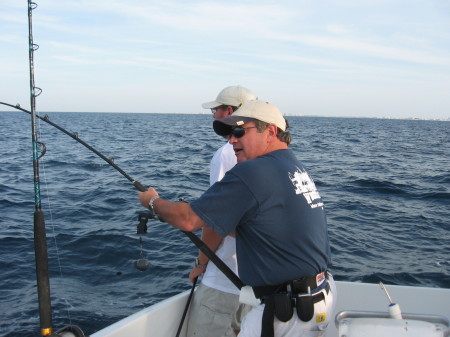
x=52, y=226
x=142, y=263
x=186, y=307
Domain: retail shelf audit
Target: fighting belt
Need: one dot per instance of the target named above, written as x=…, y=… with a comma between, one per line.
x=280, y=300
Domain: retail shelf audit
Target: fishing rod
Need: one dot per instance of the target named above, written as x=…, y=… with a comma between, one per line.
x=40, y=237
x=40, y=240
x=143, y=217
x=186, y=307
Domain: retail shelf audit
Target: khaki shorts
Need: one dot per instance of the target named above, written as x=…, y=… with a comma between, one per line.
x=215, y=313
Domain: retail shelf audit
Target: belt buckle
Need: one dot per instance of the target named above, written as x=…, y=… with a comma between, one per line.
x=297, y=286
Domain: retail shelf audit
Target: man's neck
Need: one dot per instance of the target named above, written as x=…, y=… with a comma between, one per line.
x=275, y=146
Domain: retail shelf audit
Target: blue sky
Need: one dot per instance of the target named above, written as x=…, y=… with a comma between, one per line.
x=354, y=58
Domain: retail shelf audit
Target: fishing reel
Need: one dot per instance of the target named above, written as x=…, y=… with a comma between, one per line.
x=142, y=227
x=142, y=263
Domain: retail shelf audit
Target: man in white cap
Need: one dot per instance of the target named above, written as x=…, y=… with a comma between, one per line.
x=215, y=309
x=273, y=205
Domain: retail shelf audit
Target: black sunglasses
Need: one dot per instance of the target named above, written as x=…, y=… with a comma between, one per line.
x=213, y=110
x=239, y=131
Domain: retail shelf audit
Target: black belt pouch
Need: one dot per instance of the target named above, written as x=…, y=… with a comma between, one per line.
x=305, y=307
x=283, y=306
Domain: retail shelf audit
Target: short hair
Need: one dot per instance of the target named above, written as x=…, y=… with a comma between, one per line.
x=284, y=136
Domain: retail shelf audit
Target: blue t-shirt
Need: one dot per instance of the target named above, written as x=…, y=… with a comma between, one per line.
x=278, y=215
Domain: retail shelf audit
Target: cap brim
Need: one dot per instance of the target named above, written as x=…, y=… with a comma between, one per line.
x=210, y=105
x=223, y=126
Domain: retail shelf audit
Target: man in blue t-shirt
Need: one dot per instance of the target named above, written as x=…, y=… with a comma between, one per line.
x=271, y=202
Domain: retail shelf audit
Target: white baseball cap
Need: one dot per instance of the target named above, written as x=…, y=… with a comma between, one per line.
x=249, y=111
x=234, y=95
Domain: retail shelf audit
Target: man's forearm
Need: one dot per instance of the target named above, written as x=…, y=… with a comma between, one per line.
x=178, y=214
x=212, y=240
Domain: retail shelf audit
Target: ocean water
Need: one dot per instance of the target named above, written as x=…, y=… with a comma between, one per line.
x=385, y=185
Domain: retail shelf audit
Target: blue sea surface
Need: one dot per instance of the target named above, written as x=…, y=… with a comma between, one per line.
x=385, y=185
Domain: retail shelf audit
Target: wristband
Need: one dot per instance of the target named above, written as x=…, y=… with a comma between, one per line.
x=150, y=203
x=198, y=265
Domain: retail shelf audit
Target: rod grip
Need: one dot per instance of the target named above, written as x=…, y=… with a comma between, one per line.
x=139, y=186
x=43, y=283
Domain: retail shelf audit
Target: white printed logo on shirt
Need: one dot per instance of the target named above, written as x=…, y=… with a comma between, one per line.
x=304, y=185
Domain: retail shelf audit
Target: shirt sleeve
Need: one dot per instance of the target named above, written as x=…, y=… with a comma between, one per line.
x=223, y=160
x=226, y=204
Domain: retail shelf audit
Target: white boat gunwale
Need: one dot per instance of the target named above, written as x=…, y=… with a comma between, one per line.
x=162, y=319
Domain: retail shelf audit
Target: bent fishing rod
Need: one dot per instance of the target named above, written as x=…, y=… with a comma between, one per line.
x=194, y=238
x=74, y=135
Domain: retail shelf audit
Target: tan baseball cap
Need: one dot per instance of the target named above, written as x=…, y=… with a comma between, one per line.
x=234, y=95
x=250, y=110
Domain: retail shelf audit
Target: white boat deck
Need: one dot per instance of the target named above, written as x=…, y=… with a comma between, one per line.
x=162, y=319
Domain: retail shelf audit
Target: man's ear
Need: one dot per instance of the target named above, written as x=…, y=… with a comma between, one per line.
x=229, y=111
x=273, y=130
